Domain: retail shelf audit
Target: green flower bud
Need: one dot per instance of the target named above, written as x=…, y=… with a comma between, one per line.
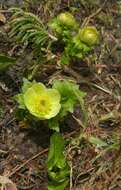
x=67, y=19
x=89, y=35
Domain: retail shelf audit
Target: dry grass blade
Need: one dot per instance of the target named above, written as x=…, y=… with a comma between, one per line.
x=2, y=18
x=7, y=184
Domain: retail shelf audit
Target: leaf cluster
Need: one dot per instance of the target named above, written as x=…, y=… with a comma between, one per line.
x=74, y=49
x=71, y=95
x=58, y=168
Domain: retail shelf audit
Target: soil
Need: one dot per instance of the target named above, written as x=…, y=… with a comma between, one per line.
x=24, y=147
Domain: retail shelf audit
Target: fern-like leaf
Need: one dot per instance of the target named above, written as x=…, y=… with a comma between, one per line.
x=28, y=28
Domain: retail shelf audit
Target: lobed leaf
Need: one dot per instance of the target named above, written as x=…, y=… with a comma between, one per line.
x=56, y=156
x=70, y=96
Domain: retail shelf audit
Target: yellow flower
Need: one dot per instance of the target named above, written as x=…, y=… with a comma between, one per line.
x=89, y=35
x=42, y=102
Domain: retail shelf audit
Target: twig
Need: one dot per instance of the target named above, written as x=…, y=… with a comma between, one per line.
x=87, y=19
x=74, y=74
x=102, y=89
x=106, y=91
x=81, y=80
x=3, y=152
x=5, y=11
x=71, y=176
x=52, y=37
x=16, y=169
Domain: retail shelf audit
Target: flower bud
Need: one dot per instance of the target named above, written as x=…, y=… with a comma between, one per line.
x=67, y=19
x=89, y=35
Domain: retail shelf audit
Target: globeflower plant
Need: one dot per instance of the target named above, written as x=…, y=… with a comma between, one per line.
x=62, y=41
x=53, y=104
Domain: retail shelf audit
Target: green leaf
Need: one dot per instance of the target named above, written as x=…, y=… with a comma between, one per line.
x=28, y=28
x=79, y=94
x=65, y=59
x=54, y=124
x=56, y=156
x=59, y=175
x=26, y=84
x=64, y=87
x=67, y=106
x=5, y=62
x=67, y=89
x=58, y=168
x=70, y=96
x=19, y=98
x=54, y=25
x=20, y=114
x=97, y=141
x=58, y=186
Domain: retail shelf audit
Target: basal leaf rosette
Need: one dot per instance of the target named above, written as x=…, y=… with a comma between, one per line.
x=41, y=102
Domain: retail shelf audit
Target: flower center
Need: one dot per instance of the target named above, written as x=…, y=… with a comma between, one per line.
x=43, y=105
